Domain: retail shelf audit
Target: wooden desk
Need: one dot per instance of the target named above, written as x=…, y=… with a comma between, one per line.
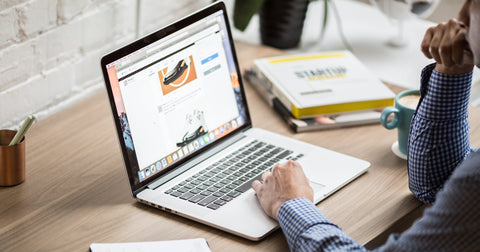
x=76, y=190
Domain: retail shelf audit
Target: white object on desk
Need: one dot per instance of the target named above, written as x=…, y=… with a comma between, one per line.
x=189, y=245
x=368, y=32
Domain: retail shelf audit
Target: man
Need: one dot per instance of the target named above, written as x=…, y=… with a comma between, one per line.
x=443, y=169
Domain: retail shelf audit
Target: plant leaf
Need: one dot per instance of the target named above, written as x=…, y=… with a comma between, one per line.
x=243, y=11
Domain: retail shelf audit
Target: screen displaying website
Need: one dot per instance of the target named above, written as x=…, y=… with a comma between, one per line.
x=177, y=95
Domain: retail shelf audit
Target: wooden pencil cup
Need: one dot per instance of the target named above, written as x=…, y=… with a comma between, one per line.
x=12, y=159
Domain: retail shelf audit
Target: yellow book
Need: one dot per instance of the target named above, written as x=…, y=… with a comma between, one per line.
x=322, y=83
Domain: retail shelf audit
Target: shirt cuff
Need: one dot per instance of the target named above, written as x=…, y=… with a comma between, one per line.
x=297, y=215
x=444, y=97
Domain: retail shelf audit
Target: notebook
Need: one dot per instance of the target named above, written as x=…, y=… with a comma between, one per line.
x=186, y=134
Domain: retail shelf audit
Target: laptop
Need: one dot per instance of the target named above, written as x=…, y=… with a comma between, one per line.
x=186, y=134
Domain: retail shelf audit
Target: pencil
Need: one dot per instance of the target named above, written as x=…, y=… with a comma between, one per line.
x=23, y=129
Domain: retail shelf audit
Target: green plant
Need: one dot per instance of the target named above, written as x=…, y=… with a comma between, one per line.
x=244, y=10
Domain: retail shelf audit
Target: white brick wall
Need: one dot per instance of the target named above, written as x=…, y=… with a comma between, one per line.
x=50, y=50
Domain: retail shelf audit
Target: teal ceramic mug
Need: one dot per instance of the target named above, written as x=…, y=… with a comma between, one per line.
x=405, y=105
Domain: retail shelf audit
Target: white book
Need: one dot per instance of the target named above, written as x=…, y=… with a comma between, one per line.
x=323, y=83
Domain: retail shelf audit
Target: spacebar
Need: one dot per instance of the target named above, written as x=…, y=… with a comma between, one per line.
x=247, y=185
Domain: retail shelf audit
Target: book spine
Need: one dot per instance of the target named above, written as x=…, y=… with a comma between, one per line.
x=252, y=77
x=272, y=88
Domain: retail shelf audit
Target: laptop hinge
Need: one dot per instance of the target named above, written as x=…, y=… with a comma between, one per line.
x=202, y=157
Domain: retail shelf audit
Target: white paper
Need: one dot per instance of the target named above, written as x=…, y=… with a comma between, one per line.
x=189, y=245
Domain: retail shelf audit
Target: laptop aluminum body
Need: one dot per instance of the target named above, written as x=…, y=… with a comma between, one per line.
x=179, y=107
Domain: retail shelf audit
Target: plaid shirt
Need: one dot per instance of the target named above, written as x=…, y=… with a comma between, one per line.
x=438, y=146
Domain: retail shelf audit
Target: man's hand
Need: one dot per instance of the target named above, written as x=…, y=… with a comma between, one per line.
x=447, y=44
x=286, y=181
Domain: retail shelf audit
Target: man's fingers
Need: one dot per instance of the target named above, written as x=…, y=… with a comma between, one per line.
x=425, y=46
x=256, y=186
x=434, y=47
x=265, y=175
x=459, y=46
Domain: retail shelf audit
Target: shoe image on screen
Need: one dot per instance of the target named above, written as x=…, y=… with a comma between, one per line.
x=177, y=71
x=195, y=127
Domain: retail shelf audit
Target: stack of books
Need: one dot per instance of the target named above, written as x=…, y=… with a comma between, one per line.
x=320, y=91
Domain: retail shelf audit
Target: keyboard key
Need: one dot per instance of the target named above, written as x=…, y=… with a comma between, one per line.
x=207, y=200
x=196, y=198
x=226, y=198
x=213, y=206
x=284, y=154
x=215, y=179
x=195, y=182
x=220, y=202
x=224, y=182
x=187, y=196
x=176, y=194
x=225, y=190
x=218, y=185
x=227, y=172
x=218, y=194
x=231, y=186
x=221, y=175
x=207, y=183
x=209, y=174
x=202, y=187
x=257, y=163
x=205, y=193
x=233, y=194
x=188, y=186
x=195, y=191
x=248, y=184
x=202, y=178
x=182, y=190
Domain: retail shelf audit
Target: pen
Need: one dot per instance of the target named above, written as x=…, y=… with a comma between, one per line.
x=23, y=129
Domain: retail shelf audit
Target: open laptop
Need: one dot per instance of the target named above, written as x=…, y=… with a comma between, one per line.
x=186, y=134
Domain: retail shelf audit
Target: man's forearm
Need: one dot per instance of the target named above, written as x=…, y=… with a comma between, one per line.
x=439, y=133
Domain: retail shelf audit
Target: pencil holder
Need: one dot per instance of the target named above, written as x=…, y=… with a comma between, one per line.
x=12, y=159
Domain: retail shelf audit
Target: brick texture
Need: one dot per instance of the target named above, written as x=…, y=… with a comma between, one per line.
x=50, y=49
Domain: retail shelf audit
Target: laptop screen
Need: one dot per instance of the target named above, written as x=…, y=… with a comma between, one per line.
x=175, y=93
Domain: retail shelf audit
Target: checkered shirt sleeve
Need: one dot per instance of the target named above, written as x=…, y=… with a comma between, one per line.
x=308, y=229
x=439, y=138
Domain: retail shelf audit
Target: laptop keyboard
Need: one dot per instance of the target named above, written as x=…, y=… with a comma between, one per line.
x=219, y=183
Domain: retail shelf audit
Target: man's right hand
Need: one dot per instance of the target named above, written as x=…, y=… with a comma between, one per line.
x=447, y=44
x=287, y=181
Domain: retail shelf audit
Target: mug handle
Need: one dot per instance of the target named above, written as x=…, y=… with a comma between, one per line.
x=384, y=118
